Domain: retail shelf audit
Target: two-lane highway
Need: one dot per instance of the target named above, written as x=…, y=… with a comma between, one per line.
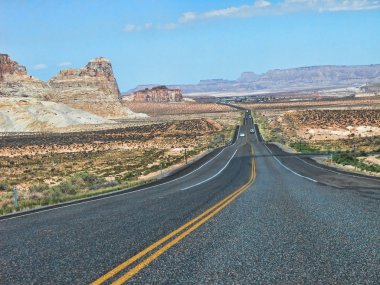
x=80, y=243
x=239, y=219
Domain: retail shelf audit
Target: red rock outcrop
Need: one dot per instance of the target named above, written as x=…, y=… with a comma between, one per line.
x=157, y=94
x=16, y=82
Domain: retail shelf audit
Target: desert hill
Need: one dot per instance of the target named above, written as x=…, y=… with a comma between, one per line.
x=34, y=115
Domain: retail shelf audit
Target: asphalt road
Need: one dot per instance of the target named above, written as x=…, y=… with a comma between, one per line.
x=233, y=221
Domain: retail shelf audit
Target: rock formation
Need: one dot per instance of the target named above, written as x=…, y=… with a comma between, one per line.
x=288, y=79
x=156, y=94
x=95, y=81
x=15, y=81
x=92, y=88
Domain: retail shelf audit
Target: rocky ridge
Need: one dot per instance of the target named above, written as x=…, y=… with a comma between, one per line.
x=96, y=78
x=157, y=94
x=16, y=82
x=92, y=89
x=288, y=79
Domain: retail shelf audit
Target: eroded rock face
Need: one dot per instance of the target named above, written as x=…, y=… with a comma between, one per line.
x=16, y=82
x=96, y=80
x=156, y=94
x=92, y=88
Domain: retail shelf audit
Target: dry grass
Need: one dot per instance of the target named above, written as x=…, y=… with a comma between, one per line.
x=310, y=126
x=41, y=165
x=159, y=109
x=372, y=102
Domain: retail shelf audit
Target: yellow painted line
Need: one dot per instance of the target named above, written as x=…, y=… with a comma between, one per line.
x=210, y=212
x=156, y=254
x=156, y=244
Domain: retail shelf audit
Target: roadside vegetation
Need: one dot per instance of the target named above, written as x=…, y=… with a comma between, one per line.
x=46, y=178
x=349, y=134
x=358, y=160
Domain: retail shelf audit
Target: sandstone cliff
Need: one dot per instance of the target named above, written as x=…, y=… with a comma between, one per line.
x=157, y=94
x=15, y=81
x=94, y=82
x=92, y=88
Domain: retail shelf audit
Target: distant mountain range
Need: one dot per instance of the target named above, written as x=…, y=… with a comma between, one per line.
x=286, y=79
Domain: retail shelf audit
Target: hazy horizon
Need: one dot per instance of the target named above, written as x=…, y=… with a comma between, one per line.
x=172, y=42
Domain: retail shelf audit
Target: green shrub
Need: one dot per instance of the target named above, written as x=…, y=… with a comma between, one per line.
x=38, y=188
x=4, y=186
x=88, y=178
x=128, y=175
x=304, y=147
x=351, y=159
x=345, y=159
x=66, y=187
x=55, y=194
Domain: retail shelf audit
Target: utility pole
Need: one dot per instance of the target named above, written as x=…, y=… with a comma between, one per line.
x=186, y=155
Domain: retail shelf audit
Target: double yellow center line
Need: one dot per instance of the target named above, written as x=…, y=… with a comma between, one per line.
x=178, y=235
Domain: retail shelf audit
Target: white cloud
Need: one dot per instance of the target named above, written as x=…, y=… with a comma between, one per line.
x=262, y=4
x=221, y=13
x=187, y=17
x=64, y=64
x=168, y=26
x=148, y=26
x=39, y=66
x=264, y=7
x=132, y=28
x=354, y=5
x=293, y=6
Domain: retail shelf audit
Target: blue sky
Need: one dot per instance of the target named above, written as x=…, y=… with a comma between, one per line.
x=177, y=41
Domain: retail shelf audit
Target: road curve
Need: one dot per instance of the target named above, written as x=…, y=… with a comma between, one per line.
x=254, y=222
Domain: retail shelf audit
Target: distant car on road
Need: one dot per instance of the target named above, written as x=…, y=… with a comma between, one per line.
x=242, y=135
x=251, y=131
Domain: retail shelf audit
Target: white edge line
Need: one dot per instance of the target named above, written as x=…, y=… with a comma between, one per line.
x=71, y=205
x=208, y=179
x=346, y=174
x=308, y=178
x=256, y=133
x=116, y=192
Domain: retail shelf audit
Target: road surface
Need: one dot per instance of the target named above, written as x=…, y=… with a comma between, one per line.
x=245, y=217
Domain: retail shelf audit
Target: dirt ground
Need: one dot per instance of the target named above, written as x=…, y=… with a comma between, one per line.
x=337, y=125
x=119, y=155
x=159, y=109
